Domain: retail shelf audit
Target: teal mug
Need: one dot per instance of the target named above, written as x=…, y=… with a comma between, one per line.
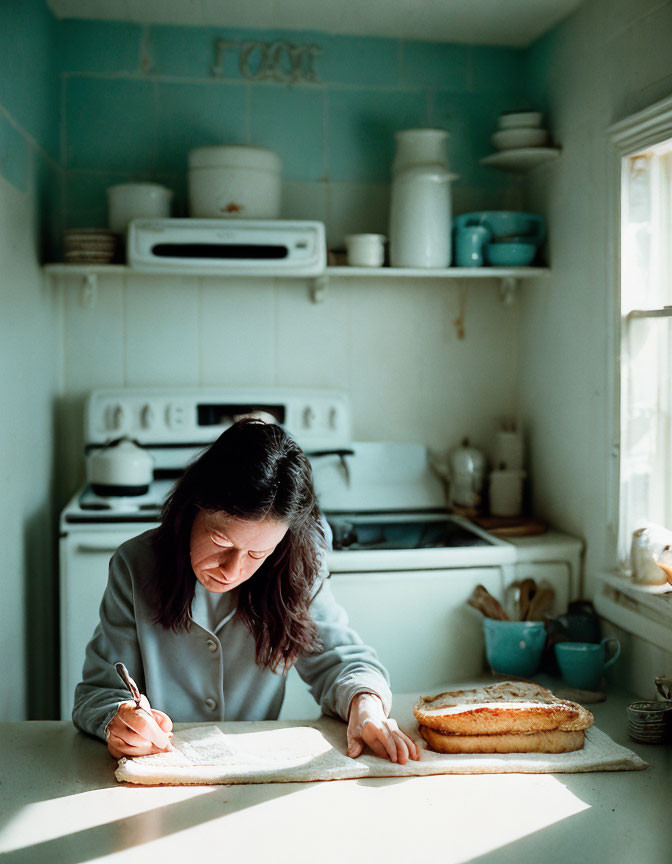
x=582, y=664
x=469, y=244
x=514, y=647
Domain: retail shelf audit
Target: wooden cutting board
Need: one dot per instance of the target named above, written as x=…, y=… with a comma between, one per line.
x=517, y=526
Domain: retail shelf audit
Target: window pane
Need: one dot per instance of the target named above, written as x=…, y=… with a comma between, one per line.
x=646, y=440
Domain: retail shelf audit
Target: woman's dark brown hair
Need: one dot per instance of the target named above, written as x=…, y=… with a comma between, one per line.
x=254, y=470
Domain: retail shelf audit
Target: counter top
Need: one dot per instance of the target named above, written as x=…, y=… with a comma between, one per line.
x=59, y=802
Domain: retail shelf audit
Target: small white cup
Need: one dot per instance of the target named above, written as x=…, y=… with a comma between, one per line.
x=365, y=250
x=129, y=201
x=506, y=493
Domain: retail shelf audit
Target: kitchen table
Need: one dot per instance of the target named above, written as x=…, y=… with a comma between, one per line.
x=59, y=802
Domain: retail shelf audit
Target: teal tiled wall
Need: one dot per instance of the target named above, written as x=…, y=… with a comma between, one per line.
x=137, y=99
x=29, y=111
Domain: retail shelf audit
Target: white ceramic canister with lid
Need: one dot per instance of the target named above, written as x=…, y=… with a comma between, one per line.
x=420, y=217
x=234, y=182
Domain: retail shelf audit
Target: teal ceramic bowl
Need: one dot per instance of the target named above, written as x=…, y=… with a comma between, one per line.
x=506, y=224
x=514, y=647
x=510, y=254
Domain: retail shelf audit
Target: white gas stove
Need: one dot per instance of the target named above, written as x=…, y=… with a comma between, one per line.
x=402, y=565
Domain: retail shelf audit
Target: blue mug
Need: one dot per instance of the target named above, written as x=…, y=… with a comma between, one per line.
x=469, y=243
x=514, y=647
x=582, y=664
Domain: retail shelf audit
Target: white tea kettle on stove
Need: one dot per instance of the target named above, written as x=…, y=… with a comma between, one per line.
x=467, y=469
x=121, y=468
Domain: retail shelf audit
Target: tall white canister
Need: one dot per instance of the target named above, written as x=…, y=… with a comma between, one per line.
x=421, y=200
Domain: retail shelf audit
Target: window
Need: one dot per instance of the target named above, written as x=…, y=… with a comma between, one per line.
x=645, y=487
x=640, y=338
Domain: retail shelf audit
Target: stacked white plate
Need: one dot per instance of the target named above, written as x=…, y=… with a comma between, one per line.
x=519, y=129
x=90, y=246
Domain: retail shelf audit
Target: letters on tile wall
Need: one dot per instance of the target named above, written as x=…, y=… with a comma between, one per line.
x=276, y=61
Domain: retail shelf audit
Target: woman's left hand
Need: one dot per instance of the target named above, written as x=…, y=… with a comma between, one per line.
x=368, y=725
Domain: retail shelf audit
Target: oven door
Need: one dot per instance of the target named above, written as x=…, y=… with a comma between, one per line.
x=84, y=562
x=418, y=622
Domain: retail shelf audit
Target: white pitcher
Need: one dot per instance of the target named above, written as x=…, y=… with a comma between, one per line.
x=420, y=204
x=420, y=217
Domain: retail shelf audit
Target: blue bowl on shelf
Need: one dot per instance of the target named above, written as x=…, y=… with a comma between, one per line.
x=506, y=224
x=514, y=647
x=510, y=254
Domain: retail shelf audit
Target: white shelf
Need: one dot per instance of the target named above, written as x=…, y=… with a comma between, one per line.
x=521, y=160
x=83, y=269
x=508, y=277
x=347, y=272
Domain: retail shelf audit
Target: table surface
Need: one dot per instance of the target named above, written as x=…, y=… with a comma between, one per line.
x=59, y=802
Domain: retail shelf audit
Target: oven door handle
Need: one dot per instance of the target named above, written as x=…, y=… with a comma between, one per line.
x=92, y=547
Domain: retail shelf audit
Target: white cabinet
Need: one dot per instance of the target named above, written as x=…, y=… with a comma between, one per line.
x=557, y=574
x=84, y=564
x=554, y=558
x=417, y=621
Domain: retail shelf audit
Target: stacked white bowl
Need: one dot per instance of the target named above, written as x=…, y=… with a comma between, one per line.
x=519, y=129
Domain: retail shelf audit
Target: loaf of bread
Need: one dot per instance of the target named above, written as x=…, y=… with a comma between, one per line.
x=552, y=741
x=507, y=707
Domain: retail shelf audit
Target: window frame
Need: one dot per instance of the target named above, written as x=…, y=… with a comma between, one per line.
x=618, y=599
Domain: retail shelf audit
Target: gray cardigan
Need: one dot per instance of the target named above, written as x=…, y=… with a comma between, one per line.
x=198, y=675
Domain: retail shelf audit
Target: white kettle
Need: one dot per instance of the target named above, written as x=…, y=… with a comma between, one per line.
x=467, y=471
x=121, y=468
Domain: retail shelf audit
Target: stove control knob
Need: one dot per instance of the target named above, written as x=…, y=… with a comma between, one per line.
x=333, y=418
x=147, y=416
x=308, y=417
x=176, y=415
x=115, y=417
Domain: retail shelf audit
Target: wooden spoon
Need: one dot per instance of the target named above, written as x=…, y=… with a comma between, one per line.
x=483, y=600
x=540, y=604
x=528, y=588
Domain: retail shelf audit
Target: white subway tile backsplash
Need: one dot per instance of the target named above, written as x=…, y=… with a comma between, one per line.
x=237, y=332
x=161, y=331
x=94, y=334
x=313, y=339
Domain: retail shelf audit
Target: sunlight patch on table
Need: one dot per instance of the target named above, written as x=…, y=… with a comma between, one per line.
x=58, y=817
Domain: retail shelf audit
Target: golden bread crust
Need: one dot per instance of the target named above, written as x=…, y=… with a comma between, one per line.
x=504, y=707
x=550, y=741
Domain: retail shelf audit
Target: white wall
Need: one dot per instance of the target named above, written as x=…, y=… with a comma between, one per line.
x=29, y=336
x=610, y=59
x=392, y=345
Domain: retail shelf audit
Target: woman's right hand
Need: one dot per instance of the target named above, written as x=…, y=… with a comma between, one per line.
x=137, y=731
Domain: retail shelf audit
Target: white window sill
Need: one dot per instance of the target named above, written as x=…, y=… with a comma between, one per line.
x=639, y=609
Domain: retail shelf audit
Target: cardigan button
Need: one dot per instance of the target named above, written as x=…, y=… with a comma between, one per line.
x=211, y=704
x=212, y=645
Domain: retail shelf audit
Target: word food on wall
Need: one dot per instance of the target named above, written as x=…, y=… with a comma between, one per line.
x=276, y=61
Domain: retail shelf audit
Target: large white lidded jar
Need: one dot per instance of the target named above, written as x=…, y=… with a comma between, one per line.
x=234, y=182
x=421, y=201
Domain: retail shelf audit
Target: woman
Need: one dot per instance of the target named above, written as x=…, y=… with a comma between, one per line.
x=211, y=609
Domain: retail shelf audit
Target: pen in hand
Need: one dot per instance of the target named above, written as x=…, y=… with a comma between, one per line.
x=143, y=703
